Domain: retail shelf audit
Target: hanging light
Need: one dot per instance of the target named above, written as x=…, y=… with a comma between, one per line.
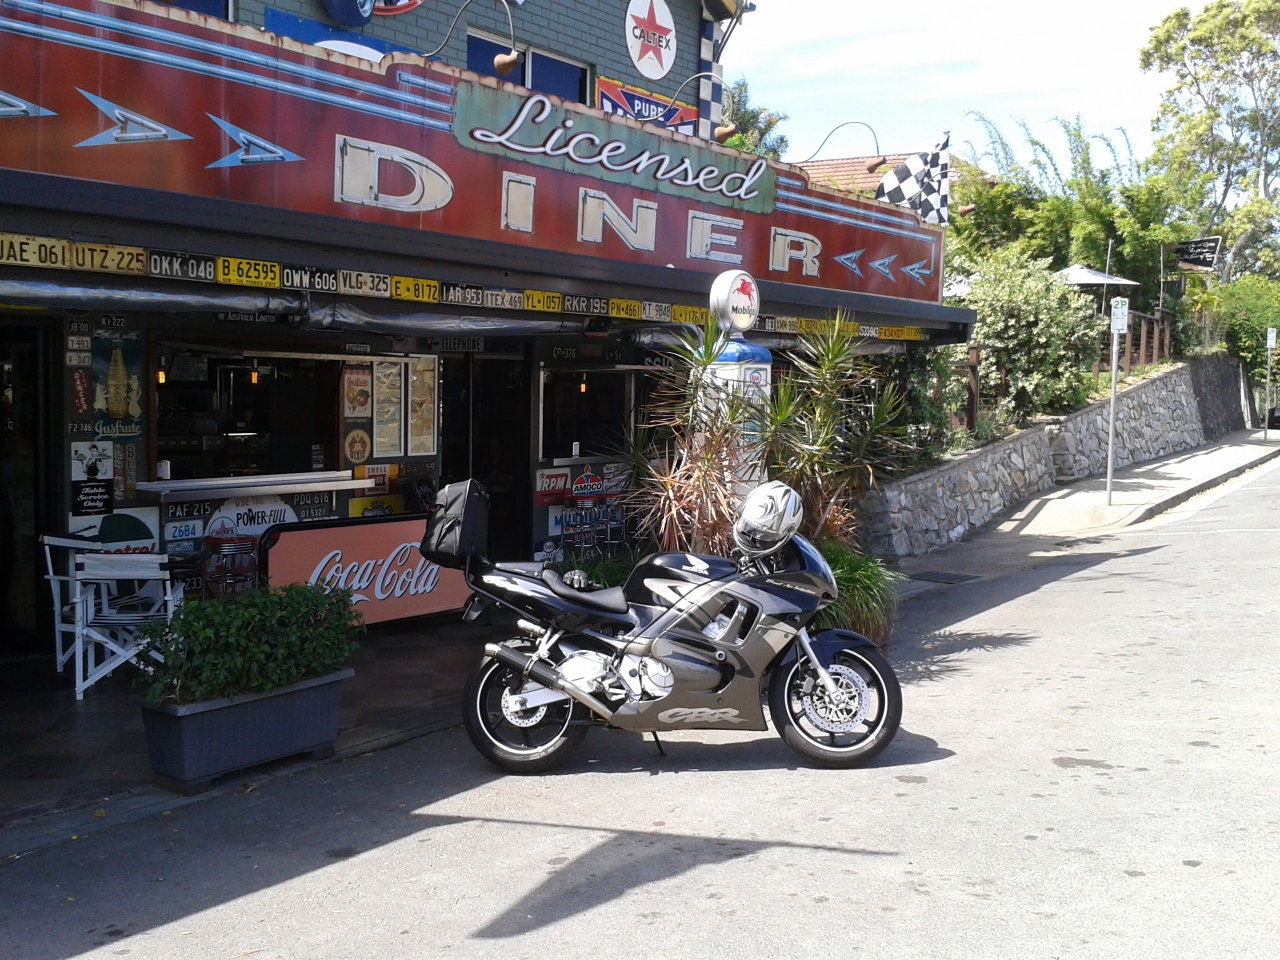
x=728, y=128
x=503, y=62
x=253, y=374
x=161, y=363
x=582, y=387
x=874, y=164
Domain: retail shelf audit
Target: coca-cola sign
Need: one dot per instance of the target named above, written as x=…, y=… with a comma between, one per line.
x=377, y=561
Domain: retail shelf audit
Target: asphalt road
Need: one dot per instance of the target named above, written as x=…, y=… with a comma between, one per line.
x=1086, y=769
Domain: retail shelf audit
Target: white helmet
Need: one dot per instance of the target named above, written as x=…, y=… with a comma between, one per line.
x=769, y=517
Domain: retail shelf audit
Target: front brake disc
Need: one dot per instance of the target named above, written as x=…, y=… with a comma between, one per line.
x=830, y=716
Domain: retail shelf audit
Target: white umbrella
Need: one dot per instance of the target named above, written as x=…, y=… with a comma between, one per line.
x=1081, y=276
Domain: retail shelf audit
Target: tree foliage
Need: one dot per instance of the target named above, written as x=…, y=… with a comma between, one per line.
x=1035, y=330
x=1069, y=210
x=1220, y=120
x=757, y=125
x=1246, y=308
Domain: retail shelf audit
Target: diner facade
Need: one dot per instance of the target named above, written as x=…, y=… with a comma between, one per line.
x=253, y=287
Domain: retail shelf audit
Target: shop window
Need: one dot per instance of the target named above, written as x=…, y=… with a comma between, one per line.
x=229, y=416
x=591, y=409
x=480, y=54
x=210, y=8
x=536, y=70
x=557, y=77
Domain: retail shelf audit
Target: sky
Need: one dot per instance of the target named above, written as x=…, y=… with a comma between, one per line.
x=914, y=70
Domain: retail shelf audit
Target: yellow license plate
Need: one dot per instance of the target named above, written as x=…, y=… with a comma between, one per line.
x=412, y=288
x=625, y=309
x=248, y=273
x=19, y=249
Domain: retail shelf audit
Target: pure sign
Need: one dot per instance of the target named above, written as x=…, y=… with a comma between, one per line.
x=1120, y=315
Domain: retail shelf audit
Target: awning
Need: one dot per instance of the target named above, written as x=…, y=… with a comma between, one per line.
x=157, y=297
x=1077, y=275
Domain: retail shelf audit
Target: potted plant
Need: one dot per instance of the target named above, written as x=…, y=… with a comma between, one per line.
x=244, y=681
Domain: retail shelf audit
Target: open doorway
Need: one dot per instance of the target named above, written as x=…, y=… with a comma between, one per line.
x=484, y=424
x=21, y=483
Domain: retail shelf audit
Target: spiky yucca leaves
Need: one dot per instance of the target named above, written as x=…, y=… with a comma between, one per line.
x=826, y=430
x=697, y=437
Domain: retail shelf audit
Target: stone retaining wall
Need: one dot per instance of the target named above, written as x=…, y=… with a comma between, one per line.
x=1158, y=417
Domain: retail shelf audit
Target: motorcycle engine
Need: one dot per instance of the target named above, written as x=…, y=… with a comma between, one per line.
x=637, y=678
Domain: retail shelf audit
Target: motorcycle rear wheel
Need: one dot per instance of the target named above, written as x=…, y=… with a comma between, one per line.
x=542, y=745
x=805, y=729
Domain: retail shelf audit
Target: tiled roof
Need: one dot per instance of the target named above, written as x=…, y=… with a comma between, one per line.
x=850, y=173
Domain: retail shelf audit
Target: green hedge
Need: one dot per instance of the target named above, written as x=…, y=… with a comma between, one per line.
x=264, y=639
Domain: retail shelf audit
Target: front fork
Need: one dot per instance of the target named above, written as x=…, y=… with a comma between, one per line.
x=833, y=691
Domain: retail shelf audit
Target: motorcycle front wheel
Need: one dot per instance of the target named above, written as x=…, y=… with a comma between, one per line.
x=518, y=741
x=843, y=732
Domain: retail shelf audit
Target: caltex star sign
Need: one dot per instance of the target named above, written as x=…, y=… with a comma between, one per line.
x=651, y=37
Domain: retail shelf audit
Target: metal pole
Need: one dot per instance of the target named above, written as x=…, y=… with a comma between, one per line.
x=1266, y=411
x=1104, y=283
x=1111, y=421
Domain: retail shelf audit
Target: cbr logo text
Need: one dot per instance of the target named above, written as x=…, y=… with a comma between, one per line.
x=700, y=715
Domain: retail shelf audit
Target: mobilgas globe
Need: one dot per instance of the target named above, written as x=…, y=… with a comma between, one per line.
x=735, y=300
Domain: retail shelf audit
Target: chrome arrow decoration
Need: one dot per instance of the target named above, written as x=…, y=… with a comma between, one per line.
x=850, y=260
x=130, y=127
x=253, y=148
x=882, y=266
x=917, y=272
x=11, y=106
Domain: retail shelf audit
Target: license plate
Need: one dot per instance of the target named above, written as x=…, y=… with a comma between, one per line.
x=624, y=309
x=359, y=284
x=22, y=250
x=108, y=258
x=184, y=530
x=412, y=288
x=504, y=299
x=655, y=311
x=248, y=273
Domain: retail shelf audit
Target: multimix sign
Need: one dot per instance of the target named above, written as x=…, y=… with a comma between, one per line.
x=122, y=92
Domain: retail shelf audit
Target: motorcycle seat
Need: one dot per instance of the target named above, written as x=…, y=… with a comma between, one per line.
x=612, y=600
x=529, y=569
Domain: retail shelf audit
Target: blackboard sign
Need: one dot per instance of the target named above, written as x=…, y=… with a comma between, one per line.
x=1199, y=255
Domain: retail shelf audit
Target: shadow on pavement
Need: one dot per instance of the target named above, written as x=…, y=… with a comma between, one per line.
x=625, y=861
x=106, y=886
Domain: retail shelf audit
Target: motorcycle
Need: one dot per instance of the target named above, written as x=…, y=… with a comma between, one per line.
x=690, y=642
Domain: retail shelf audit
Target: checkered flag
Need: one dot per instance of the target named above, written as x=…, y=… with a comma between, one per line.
x=922, y=183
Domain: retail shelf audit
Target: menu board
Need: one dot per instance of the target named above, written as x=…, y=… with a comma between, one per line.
x=388, y=409
x=422, y=406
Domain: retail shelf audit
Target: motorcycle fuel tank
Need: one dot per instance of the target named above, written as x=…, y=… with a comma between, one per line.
x=663, y=578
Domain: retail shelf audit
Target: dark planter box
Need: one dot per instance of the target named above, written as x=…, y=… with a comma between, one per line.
x=192, y=743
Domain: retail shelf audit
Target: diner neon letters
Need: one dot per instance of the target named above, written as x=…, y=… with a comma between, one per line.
x=616, y=156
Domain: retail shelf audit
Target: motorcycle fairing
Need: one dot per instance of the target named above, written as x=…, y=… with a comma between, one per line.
x=828, y=643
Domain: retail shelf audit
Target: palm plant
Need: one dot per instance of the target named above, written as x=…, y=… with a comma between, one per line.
x=826, y=429
x=697, y=445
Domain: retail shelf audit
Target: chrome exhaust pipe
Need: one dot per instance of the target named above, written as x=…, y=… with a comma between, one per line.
x=545, y=674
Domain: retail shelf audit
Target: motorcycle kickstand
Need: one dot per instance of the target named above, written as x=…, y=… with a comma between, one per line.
x=661, y=752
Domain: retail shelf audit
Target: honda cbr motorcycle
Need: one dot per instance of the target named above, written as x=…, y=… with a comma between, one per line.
x=690, y=642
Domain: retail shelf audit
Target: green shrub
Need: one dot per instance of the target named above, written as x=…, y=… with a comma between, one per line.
x=868, y=596
x=254, y=643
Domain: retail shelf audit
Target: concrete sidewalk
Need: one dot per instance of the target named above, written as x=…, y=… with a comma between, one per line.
x=1047, y=524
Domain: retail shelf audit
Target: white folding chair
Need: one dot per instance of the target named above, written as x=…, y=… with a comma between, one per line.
x=108, y=617
x=61, y=586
